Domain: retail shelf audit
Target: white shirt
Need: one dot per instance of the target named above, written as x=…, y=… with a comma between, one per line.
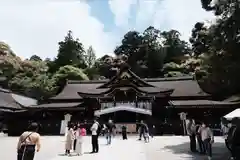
x=205, y=133
x=94, y=128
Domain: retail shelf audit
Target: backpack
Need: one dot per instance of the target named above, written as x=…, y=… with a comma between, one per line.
x=99, y=129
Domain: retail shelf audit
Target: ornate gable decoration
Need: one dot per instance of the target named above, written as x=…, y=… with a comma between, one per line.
x=125, y=77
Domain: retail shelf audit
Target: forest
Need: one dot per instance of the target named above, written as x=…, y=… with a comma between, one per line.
x=210, y=56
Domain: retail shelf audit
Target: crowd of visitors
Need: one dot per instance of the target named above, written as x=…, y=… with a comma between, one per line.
x=201, y=132
x=200, y=135
x=30, y=139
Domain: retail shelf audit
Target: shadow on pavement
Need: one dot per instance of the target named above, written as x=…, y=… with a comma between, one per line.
x=220, y=152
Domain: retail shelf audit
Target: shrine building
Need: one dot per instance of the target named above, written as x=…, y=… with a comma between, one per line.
x=126, y=99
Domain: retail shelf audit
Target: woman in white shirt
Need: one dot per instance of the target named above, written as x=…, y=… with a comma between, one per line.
x=69, y=140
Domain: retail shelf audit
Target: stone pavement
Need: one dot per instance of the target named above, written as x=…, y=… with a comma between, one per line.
x=162, y=147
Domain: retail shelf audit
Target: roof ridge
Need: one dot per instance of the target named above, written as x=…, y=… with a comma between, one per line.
x=145, y=79
x=5, y=90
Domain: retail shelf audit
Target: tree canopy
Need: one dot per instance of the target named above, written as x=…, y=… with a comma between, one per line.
x=219, y=43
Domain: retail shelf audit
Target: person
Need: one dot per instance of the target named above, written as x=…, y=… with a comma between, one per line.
x=229, y=138
x=207, y=138
x=152, y=130
x=69, y=139
x=104, y=130
x=225, y=127
x=199, y=139
x=81, y=132
x=142, y=128
x=124, y=132
x=146, y=134
x=235, y=142
x=75, y=128
x=28, y=141
x=95, y=129
x=110, y=128
x=191, y=132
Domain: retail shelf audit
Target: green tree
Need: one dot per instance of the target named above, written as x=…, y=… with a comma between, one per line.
x=70, y=52
x=35, y=58
x=219, y=43
x=176, y=48
x=32, y=80
x=6, y=49
x=69, y=72
x=90, y=57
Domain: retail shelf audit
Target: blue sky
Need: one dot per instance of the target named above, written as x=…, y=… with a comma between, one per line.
x=35, y=27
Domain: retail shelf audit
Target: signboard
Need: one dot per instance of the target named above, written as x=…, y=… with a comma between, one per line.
x=67, y=117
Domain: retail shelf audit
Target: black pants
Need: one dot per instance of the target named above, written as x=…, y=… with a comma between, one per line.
x=193, y=142
x=26, y=152
x=74, y=144
x=95, y=146
x=152, y=133
x=124, y=135
x=142, y=135
x=236, y=152
x=67, y=151
x=200, y=144
x=208, y=146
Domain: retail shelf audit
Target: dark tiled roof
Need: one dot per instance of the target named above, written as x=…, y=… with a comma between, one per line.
x=155, y=90
x=102, y=91
x=11, y=111
x=71, y=90
x=202, y=103
x=56, y=105
x=182, y=86
x=9, y=100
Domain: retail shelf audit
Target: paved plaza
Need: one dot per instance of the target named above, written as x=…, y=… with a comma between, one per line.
x=162, y=147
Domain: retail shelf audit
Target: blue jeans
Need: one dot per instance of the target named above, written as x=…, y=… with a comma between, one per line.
x=208, y=147
x=109, y=138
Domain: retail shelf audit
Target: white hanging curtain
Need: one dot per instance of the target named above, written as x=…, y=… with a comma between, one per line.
x=233, y=114
x=123, y=108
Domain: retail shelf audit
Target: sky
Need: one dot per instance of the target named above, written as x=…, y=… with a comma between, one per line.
x=36, y=26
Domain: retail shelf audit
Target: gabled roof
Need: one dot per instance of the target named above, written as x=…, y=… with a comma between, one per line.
x=182, y=87
x=14, y=102
x=174, y=87
x=125, y=74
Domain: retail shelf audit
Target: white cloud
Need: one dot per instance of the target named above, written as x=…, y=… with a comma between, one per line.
x=164, y=14
x=35, y=27
x=181, y=15
x=122, y=11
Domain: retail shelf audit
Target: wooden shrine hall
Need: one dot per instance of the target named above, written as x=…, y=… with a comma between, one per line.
x=126, y=99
